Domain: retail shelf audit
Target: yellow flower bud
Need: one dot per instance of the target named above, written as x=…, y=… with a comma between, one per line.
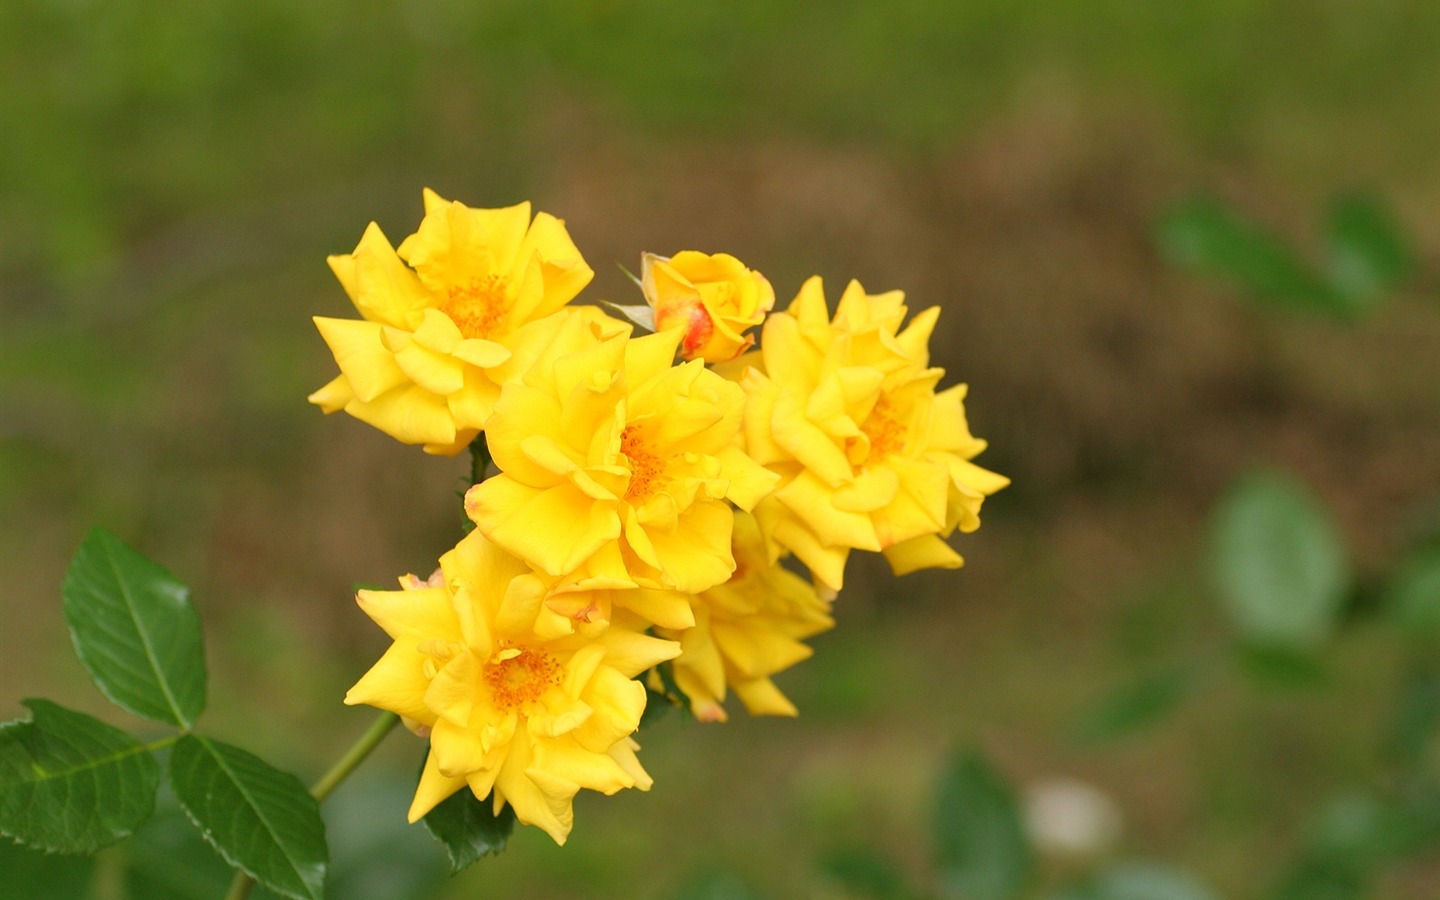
x=715, y=299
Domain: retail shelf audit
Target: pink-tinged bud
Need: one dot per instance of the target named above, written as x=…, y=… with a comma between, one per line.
x=714, y=298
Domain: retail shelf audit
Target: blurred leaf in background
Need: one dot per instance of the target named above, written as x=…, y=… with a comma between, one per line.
x=1136, y=704
x=1367, y=255
x=1139, y=881
x=982, y=851
x=1278, y=564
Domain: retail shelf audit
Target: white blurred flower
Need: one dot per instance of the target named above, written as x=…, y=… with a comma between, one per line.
x=1068, y=817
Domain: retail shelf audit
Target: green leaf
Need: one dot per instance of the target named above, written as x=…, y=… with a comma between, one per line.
x=1139, y=881
x=1413, y=595
x=1133, y=706
x=262, y=820
x=1280, y=569
x=863, y=873
x=69, y=783
x=1417, y=717
x=1281, y=666
x=1368, y=255
x=33, y=875
x=1318, y=879
x=135, y=630
x=1359, y=829
x=1205, y=235
x=1353, y=835
x=469, y=827
x=982, y=849
x=717, y=886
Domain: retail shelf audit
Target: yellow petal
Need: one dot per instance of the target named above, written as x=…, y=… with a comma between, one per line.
x=813, y=503
x=482, y=353
x=667, y=609
x=472, y=405
x=826, y=562
x=555, y=529
x=618, y=702
x=410, y=414
x=334, y=396
x=432, y=789
x=439, y=373
x=918, y=507
x=537, y=798
x=519, y=413
x=872, y=489
x=977, y=479
x=762, y=698
x=455, y=244
x=423, y=614
x=522, y=600
x=571, y=762
x=382, y=288
x=563, y=269
x=367, y=365
x=456, y=748
x=806, y=442
x=924, y=552
x=630, y=653
x=396, y=682
x=696, y=555
x=650, y=355
x=756, y=652
x=638, y=540
x=566, y=331
x=623, y=752
x=915, y=339
x=454, y=692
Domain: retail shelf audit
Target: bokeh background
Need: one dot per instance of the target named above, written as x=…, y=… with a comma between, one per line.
x=172, y=175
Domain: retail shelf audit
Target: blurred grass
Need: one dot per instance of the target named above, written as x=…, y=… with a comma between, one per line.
x=172, y=175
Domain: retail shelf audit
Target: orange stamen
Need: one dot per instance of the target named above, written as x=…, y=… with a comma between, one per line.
x=477, y=307
x=646, y=468
x=519, y=676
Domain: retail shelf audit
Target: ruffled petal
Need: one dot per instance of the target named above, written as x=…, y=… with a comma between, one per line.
x=369, y=368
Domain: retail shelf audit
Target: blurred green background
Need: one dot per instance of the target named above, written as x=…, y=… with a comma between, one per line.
x=173, y=174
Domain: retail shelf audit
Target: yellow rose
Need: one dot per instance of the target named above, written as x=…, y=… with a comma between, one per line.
x=870, y=456
x=616, y=465
x=715, y=299
x=517, y=715
x=444, y=317
x=746, y=630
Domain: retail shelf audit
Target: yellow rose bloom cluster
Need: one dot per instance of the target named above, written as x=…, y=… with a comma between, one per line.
x=655, y=498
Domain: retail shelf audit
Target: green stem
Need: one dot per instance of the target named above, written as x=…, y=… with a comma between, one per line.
x=479, y=459
x=240, y=885
x=354, y=756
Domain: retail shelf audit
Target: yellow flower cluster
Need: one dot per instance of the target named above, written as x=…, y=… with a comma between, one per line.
x=655, y=494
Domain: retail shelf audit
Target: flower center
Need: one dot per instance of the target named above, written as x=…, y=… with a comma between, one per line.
x=518, y=676
x=477, y=307
x=646, y=468
x=883, y=430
